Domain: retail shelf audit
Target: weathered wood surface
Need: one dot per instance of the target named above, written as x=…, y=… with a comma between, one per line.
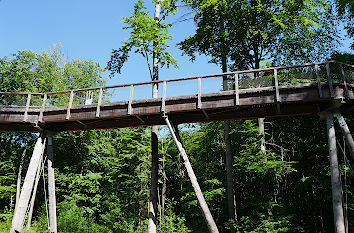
x=301, y=99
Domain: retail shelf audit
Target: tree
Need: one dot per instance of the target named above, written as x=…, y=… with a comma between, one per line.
x=148, y=37
x=345, y=11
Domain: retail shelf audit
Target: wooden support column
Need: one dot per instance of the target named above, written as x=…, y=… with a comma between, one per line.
x=20, y=212
x=346, y=133
x=202, y=203
x=51, y=187
x=335, y=177
x=34, y=193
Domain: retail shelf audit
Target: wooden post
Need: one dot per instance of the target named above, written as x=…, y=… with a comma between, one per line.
x=346, y=133
x=319, y=85
x=28, y=103
x=237, y=102
x=51, y=187
x=20, y=212
x=335, y=177
x=99, y=103
x=203, y=205
x=344, y=81
x=330, y=83
x=199, y=93
x=33, y=199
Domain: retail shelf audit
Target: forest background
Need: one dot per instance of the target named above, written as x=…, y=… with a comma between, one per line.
x=103, y=176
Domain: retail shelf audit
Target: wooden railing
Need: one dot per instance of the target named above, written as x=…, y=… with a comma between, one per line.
x=232, y=77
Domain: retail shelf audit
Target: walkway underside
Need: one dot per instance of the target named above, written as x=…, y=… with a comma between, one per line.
x=301, y=99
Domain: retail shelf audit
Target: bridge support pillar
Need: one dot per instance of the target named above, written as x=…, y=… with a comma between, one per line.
x=335, y=177
x=20, y=211
x=346, y=133
x=202, y=203
x=51, y=187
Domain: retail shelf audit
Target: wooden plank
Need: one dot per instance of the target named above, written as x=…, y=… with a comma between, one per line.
x=69, y=105
x=330, y=83
x=163, y=107
x=236, y=90
x=344, y=81
x=25, y=116
x=199, y=93
x=42, y=108
x=130, y=108
x=319, y=85
x=276, y=83
x=99, y=103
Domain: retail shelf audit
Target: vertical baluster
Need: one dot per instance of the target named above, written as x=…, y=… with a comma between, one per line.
x=25, y=116
x=276, y=83
x=330, y=83
x=199, y=93
x=68, y=114
x=130, y=108
x=43, y=107
x=236, y=90
x=99, y=103
x=163, y=107
x=344, y=81
x=319, y=85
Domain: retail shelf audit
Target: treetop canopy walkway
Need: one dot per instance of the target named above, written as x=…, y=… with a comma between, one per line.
x=314, y=88
x=270, y=92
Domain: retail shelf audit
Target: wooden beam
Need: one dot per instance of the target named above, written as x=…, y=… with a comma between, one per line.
x=99, y=102
x=276, y=84
x=335, y=177
x=330, y=83
x=69, y=105
x=199, y=93
x=344, y=81
x=319, y=85
x=202, y=203
x=163, y=106
x=25, y=116
x=237, y=102
x=130, y=108
x=51, y=187
x=20, y=212
x=40, y=119
x=347, y=135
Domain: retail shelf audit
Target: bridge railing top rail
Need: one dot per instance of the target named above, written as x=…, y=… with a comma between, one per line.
x=177, y=79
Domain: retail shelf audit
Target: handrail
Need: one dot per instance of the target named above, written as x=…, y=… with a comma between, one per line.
x=177, y=79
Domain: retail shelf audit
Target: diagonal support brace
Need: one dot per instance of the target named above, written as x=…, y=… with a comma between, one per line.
x=346, y=133
x=202, y=203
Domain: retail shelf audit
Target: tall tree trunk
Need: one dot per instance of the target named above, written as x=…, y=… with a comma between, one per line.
x=231, y=201
x=261, y=132
x=154, y=141
x=51, y=187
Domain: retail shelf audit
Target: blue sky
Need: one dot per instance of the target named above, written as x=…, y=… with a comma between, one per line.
x=89, y=30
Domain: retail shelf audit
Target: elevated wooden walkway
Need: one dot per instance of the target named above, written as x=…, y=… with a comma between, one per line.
x=271, y=101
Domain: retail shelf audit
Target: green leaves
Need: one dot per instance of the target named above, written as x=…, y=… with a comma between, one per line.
x=148, y=36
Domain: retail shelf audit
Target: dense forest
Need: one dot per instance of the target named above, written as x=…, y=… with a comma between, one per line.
x=281, y=180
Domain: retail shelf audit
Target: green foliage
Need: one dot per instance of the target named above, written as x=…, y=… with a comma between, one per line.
x=345, y=10
x=147, y=37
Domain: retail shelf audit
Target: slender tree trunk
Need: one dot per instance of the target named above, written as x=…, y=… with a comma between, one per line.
x=231, y=201
x=18, y=187
x=154, y=142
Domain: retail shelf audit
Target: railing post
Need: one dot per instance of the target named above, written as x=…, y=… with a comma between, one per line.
x=276, y=83
x=163, y=107
x=130, y=108
x=199, y=93
x=236, y=90
x=99, y=103
x=344, y=81
x=40, y=119
x=319, y=86
x=25, y=116
x=330, y=83
x=68, y=114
